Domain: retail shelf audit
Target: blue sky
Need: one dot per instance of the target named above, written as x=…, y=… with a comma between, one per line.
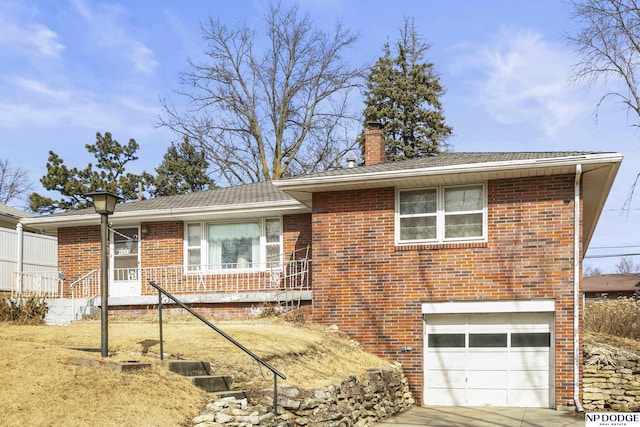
x=71, y=68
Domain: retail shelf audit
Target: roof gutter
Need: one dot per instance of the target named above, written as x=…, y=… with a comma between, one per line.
x=373, y=177
x=181, y=214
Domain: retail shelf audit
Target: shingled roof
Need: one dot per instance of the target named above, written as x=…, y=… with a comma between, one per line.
x=8, y=211
x=261, y=192
x=294, y=194
x=611, y=283
x=265, y=192
x=449, y=159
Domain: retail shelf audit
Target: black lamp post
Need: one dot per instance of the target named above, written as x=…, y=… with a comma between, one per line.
x=105, y=203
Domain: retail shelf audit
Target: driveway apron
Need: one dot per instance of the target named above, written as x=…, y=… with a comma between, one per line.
x=454, y=416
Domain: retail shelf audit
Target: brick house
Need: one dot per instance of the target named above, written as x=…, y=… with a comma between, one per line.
x=464, y=267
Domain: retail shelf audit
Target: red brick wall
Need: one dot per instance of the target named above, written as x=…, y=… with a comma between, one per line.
x=296, y=230
x=162, y=245
x=78, y=252
x=373, y=290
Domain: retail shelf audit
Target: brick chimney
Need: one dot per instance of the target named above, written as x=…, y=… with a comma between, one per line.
x=374, y=144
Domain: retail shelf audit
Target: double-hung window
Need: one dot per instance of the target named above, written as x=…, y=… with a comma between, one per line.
x=252, y=244
x=441, y=214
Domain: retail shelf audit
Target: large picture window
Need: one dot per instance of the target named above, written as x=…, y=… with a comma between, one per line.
x=441, y=214
x=243, y=245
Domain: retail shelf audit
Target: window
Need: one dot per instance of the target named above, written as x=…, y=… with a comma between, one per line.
x=243, y=245
x=487, y=340
x=441, y=214
x=193, y=245
x=531, y=339
x=446, y=340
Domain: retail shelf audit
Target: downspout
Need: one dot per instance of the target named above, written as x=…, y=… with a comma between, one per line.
x=20, y=256
x=576, y=290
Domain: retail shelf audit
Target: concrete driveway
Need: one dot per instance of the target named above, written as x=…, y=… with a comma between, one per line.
x=451, y=416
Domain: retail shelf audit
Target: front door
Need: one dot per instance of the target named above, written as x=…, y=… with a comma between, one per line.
x=125, y=262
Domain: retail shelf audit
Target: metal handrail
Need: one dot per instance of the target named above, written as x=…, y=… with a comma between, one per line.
x=255, y=357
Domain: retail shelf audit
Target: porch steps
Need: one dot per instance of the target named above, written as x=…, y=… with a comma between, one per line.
x=65, y=310
x=199, y=372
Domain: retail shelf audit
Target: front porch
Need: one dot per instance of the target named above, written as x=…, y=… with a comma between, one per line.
x=250, y=286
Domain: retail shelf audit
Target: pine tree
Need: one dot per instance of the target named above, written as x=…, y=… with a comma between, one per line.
x=182, y=171
x=74, y=184
x=403, y=94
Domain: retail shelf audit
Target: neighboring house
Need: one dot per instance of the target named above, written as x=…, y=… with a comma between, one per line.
x=464, y=267
x=611, y=286
x=10, y=217
x=26, y=257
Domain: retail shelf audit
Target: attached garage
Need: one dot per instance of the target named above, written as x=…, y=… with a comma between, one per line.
x=489, y=353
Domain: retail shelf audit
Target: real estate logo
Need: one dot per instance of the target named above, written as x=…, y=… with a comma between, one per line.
x=611, y=419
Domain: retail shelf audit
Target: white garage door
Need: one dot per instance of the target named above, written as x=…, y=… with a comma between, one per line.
x=498, y=359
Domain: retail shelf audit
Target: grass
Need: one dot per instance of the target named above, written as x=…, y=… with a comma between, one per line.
x=618, y=317
x=41, y=387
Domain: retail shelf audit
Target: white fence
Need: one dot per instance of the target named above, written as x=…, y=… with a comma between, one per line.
x=39, y=257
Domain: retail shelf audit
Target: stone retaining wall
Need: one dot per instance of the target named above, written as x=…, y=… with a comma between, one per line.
x=355, y=401
x=611, y=380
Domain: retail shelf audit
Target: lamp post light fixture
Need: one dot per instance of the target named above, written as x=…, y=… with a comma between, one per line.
x=105, y=203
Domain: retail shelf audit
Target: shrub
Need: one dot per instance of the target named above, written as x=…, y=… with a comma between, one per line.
x=293, y=315
x=23, y=310
x=620, y=317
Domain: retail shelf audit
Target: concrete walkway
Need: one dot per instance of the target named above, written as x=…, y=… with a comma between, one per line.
x=458, y=416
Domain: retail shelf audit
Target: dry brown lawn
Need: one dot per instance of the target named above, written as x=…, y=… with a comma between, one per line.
x=41, y=387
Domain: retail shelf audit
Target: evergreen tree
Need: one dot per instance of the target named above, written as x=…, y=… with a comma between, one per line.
x=109, y=174
x=403, y=94
x=183, y=170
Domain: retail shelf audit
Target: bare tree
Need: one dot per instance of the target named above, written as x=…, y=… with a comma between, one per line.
x=14, y=183
x=590, y=271
x=627, y=266
x=264, y=108
x=608, y=45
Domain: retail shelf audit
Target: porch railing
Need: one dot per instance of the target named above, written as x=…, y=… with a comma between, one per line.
x=39, y=283
x=225, y=278
x=87, y=286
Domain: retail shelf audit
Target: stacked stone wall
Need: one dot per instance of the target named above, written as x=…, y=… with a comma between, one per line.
x=611, y=381
x=364, y=401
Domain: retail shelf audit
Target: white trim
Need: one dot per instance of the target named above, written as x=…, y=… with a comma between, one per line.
x=511, y=306
x=440, y=215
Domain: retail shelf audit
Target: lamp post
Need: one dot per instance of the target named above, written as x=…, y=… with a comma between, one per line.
x=105, y=203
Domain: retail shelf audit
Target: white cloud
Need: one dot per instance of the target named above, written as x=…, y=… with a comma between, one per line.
x=38, y=88
x=82, y=9
x=114, y=35
x=518, y=77
x=18, y=34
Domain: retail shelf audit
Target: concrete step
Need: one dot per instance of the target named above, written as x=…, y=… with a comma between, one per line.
x=210, y=383
x=199, y=372
x=236, y=394
x=62, y=311
x=189, y=368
